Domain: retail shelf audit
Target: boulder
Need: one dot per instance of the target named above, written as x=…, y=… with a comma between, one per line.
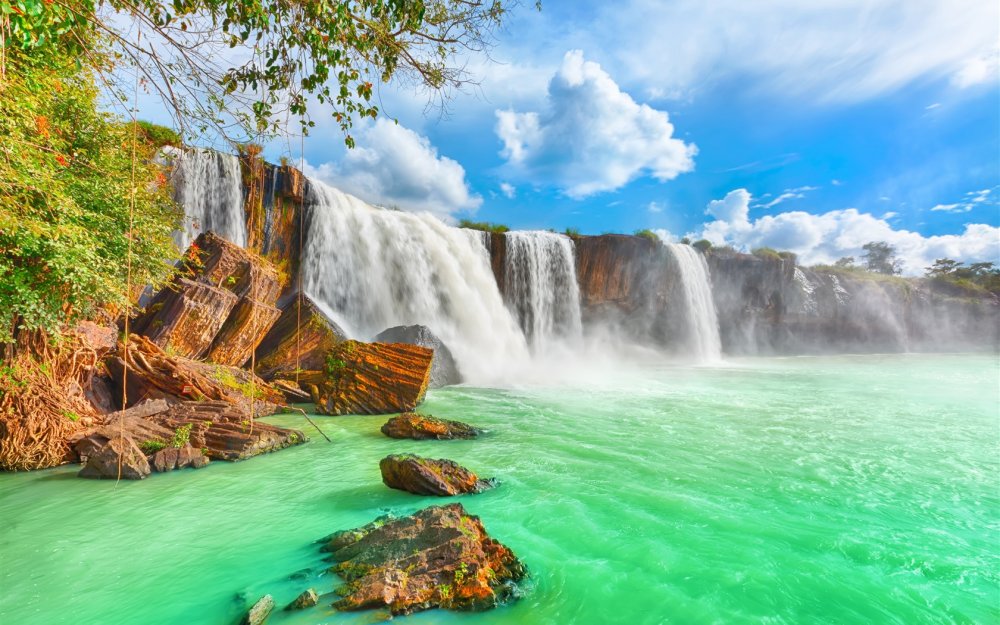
x=243, y=330
x=307, y=599
x=439, y=557
x=422, y=427
x=444, y=371
x=215, y=261
x=120, y=456
x=259, y=612
x=170, y=458
x=299, y=340
x=424, y=476
x=372, y=378
x=184, y=317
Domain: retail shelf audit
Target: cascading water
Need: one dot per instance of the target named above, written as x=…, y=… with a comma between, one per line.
x=541, y=287
x=700, y=318
x=209, y=187
x=377, y=268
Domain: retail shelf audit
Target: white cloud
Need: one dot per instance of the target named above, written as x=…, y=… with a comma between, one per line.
x=828, y=236
x=394, y=166
x=789, y=194
x=951, y=208
x=654, y=207
x=835, y=50
x=508, y=190
x=665, y=235
x=969, y=201
x=591, y=136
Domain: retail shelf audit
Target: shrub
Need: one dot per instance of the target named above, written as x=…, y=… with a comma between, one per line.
x=647, y=234
x=151, y=447
x=702, y=245
x=159, y=136
x=182, y=436
x=484, y=226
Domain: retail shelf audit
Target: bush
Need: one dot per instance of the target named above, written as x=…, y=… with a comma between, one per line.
x=702, y=245
x=484, y=226
x=159, y=136
x=766, y=253
x=647, y=234
x=571, y=232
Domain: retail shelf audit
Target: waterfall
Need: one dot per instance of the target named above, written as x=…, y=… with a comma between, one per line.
x=700, y=319
x=377, y=268
x=208, y=185
x=541, y=287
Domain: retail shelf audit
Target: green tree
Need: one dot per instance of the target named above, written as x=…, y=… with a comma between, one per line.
x=880, y=257
x=242, y=68
x=845, y=262
x=647, y=234
x=943, y=267
x=70, y=193
x=702, y=245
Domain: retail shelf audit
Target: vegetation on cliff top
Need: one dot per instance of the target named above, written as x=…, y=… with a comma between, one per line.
x=484, y=226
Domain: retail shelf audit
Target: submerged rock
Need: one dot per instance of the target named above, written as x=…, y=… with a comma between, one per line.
x=259, y=612
x=120, y=456
x=421, y=427
x=425, y=476
x=307, y=599
x=438, y=557
x=372, y=378
x=444, y=371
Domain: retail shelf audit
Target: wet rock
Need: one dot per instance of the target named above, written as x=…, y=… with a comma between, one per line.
x=259, y=612
x=307, y=599
x=421, y=427
x=300, y=339
x=119, y=456
x=444, y=371
x=425, y=476
x=170, y=458
x=438, y=557
x=372, y=378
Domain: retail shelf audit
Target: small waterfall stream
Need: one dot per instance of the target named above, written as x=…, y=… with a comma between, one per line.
x=541, y=286
x=209, y=186
x=378, y=268
x=702, y=336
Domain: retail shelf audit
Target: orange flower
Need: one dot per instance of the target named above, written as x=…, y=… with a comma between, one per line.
x=62, y=160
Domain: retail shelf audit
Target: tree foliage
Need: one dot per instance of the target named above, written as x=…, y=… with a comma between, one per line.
x=242, y=68
x=954, y=276
x=66, y=188
x=880, y=257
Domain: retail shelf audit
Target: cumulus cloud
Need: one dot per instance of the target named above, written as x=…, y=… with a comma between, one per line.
x=508, y=190
x=591, y=136
x=825, y=237
x=394, y=166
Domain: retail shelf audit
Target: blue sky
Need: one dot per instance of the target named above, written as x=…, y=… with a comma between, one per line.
x=812, y=128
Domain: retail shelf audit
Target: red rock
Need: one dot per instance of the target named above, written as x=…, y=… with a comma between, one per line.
x=184, y=318
x=420, y=427
x=424, y=476
x=438, y=557
x=372, y=378
x=297, y=340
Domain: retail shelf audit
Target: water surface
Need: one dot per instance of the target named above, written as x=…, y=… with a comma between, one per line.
x=852, y=489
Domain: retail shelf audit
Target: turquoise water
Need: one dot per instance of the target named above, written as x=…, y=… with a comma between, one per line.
x=853, y=489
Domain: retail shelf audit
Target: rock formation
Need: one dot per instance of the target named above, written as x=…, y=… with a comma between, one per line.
x=220, y=305
x=299, y=340
x=424, y=476
x=444, y=371
x=259, y=612
x=372, y=378
x=421, y=427
x=307, y=599
x=118, y=457
x=438, y=557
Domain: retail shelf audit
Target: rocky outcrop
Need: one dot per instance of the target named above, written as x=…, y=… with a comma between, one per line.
x=425, y=476
x=153, y=374
x=300, y=340
x=170, y=458
x=185, y=317
x=119, y=457
x=444, y=371
x=421, y=427
x=220, y=305
x=625, y=281
x=438, y=557
x=371, y=378
x=259, y=612
x=307, y=599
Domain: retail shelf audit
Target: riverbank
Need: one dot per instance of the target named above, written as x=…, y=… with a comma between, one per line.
x=838, y=489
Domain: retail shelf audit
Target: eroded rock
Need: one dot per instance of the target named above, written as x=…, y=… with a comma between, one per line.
x=444, y=371
x=438, y=557
x=307, y=599
x=372, y=378
x=119, y=457
x=426, y=476
x=422, y=427
x=300, y=339
x=259, y=612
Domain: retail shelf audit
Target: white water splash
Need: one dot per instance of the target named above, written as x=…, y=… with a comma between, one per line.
x=702, y=323
x=378, y=268
x=541, y=287
x=209, y=187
